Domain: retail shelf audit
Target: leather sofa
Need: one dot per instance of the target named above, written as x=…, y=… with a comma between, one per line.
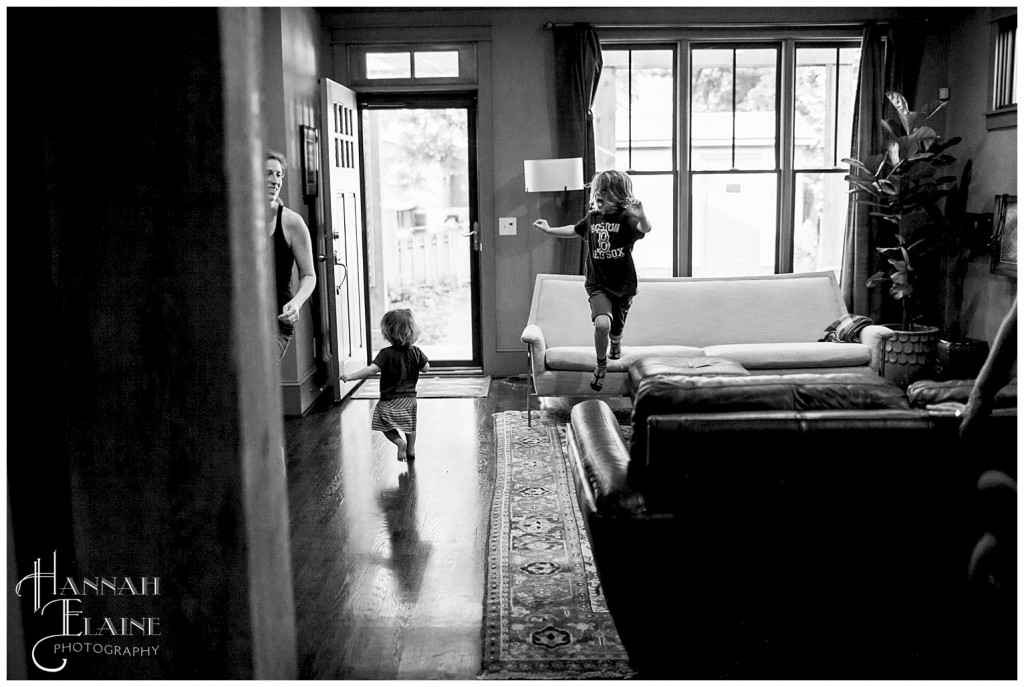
x=781, y=526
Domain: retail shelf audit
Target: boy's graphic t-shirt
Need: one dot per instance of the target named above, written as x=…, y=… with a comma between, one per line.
x=610, y=238
x=399, y=370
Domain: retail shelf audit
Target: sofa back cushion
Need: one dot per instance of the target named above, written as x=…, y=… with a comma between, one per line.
x=663, y=395
x=697, y=311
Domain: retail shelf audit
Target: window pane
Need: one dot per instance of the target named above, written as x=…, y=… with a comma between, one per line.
x=633, y=110
x=711, y=88
x=716, y=127
x=756, y=123
x=734, y=218
x=825, y=88
x=651, y=110
x=387, y=65
x=436, y=64
x=819, y=221
x=653, y=254
x=611, y=112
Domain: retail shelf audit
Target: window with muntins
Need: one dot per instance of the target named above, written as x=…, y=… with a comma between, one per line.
x=416, y=65
x=749, y=180
x=1003, y=92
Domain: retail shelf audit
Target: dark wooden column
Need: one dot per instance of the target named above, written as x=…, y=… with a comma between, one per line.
x=140, y=134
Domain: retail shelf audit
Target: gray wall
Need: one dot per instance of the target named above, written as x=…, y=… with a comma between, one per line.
x=987, y=297
x=523, y=102
x=292, y=63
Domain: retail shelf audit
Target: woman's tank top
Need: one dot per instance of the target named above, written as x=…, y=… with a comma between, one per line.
x=283, y=263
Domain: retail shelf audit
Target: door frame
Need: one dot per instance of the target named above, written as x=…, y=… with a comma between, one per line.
x=370, y=100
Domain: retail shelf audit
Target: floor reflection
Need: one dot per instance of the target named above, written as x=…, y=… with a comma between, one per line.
x=409, y=553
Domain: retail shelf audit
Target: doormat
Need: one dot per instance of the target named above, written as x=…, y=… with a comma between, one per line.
x=545, y=616
x=434, y=387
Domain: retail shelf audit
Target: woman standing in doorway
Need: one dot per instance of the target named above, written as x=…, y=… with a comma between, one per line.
x=292, y=246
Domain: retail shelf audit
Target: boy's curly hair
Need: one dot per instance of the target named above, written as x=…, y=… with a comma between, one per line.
x=399, y=327
x=615, y=186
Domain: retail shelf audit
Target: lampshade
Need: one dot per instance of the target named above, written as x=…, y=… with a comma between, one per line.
x=559, y=174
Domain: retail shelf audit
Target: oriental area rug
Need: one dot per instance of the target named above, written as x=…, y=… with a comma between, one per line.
x=544, y=613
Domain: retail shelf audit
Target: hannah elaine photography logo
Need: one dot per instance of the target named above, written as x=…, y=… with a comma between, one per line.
x=65, y=605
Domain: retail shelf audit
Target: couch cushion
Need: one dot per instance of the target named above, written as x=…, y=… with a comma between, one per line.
x=697, y=311
x=650, y=365
x=828, y=391
x=665, y=395
x=583, y=357
x=928, y=392
x=766, y=356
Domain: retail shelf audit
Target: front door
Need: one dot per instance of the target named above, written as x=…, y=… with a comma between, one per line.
x=343, y=235
x=419, y=166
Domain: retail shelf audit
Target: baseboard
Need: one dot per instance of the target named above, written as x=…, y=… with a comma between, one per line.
x=298, y=397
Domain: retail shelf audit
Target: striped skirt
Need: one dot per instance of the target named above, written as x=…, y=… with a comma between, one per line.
x=395, y=413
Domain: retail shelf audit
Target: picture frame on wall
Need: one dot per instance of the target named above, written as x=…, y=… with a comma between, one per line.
x=1004, y=236
x=310, y=160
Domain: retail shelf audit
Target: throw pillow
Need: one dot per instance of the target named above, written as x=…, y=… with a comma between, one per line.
x=846, y=329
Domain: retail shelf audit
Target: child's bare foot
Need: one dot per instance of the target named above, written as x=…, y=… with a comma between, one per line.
x=402, y=452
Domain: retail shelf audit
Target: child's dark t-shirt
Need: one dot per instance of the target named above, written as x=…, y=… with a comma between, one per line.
x=610, y=238
x=399, y=370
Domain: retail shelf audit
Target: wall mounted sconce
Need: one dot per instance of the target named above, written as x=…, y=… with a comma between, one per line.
x=560, y=174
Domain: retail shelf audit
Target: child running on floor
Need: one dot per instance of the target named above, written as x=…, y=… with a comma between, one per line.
x=399, y=365
x=615, y=222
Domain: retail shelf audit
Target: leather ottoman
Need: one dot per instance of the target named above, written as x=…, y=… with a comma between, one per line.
x=680, y=366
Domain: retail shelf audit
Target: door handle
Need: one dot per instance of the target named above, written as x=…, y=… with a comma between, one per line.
x=476, y=236
x=322, y=258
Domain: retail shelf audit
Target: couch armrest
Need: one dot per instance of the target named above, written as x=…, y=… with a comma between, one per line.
x=603, y=460
x=874, y=336
x=533, y=337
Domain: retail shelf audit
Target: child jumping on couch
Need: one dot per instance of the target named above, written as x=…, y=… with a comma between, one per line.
x=615, y=221
x=399, y=365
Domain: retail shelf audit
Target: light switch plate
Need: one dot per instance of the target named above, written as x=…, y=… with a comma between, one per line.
x=506, y=226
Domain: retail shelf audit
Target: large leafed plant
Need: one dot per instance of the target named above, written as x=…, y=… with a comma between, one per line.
x=904, y=189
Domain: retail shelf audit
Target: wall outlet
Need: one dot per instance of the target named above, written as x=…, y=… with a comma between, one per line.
x=506, y=226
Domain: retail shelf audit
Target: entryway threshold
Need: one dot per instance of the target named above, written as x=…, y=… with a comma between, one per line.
x=454, y=372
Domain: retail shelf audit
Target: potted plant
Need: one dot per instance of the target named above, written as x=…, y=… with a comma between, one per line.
x=905, y=191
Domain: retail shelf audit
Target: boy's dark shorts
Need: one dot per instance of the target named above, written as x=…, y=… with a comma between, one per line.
x=614, y=307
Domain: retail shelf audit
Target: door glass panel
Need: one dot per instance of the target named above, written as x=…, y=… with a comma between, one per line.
x=734, y=220
x=418, y=167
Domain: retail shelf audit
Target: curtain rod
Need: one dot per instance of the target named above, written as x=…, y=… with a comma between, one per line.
x=548, y=26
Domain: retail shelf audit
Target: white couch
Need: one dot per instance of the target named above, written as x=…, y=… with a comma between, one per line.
x=767, y=323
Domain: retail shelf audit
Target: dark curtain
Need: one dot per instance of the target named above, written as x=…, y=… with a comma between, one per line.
x=889, y=61
x=578, y=69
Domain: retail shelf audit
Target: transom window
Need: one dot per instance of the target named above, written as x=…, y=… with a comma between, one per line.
x=420, y=66
x=756, y=186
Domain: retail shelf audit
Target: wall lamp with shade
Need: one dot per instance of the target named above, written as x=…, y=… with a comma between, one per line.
x=560, y=174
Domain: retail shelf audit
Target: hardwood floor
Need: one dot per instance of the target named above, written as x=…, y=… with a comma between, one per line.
x=388, y=558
